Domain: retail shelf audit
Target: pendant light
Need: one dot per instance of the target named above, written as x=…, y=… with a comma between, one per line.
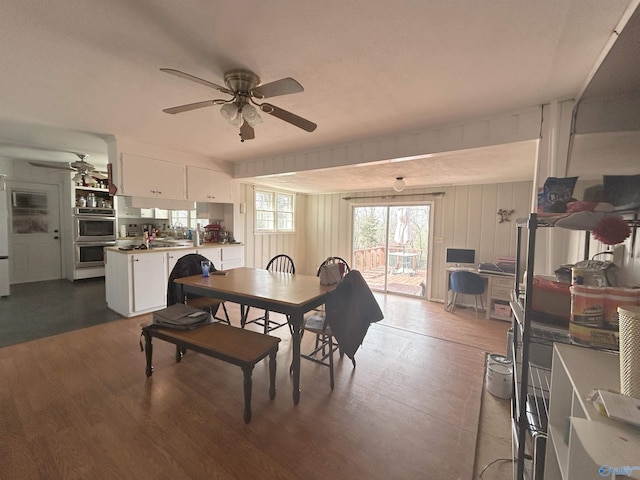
x=399, y=184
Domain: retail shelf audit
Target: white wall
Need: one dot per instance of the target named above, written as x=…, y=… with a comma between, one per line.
x=465, y=216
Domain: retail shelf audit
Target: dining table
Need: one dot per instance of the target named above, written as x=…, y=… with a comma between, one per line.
x=290, y=294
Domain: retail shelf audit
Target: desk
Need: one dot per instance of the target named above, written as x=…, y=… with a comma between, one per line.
x=286, y=293
x=498, y=287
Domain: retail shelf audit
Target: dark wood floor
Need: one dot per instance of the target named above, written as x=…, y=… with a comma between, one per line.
x=78, y=405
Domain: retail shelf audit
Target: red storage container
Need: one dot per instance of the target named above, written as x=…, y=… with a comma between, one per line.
x=552, y=298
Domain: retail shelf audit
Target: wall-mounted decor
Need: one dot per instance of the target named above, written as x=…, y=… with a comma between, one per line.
x=504, y=215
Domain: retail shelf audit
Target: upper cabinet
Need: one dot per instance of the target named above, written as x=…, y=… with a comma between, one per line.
x=151, y=178
x=606, y=119
x=204, y=185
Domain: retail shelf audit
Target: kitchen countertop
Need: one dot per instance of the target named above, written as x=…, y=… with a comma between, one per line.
x=137, y=251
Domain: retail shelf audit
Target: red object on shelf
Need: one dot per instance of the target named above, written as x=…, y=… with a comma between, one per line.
x=611, y=230
x=212, y=233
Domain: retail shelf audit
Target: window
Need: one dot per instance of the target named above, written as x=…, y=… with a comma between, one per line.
x=274, y=211
x=183, y=218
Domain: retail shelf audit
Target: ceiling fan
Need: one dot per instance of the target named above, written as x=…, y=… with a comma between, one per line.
x=81, y=166
x=244, y=87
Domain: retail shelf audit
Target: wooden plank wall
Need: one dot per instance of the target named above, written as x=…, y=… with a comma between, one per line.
x=464, y=216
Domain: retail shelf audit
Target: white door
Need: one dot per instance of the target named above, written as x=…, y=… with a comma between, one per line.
x=34, y=232
x=391, y=247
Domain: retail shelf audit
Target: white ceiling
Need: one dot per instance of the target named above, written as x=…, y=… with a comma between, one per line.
x=78, y=72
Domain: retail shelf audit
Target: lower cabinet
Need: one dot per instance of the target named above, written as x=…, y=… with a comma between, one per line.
x=149, y=282
x=136, y=283
x=231, y=257
x=499, y=297
x=173, y=256
x=224, y=258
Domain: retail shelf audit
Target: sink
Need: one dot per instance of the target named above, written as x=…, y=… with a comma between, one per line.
x=160, y=245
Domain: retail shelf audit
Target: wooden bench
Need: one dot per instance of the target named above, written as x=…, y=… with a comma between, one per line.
x=230, y=344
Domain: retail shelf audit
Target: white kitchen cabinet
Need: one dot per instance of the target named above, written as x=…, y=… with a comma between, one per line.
x=151, y=178
x=124, y=211
x=149, y=281
x=135, y=283
x=204, y=185
x=231, y=257
x=224, y=257
x=161, y=214
x=174, y=255
x=156, y=213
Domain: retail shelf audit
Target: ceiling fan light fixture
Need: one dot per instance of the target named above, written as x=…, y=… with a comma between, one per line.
x=250, y=114
x=399, y=184
x=77, y=178
x=229, y=112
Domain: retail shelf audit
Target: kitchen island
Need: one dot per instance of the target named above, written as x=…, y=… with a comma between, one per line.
x=136, y=280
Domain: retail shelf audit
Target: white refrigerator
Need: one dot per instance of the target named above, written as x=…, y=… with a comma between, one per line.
x=4, y=243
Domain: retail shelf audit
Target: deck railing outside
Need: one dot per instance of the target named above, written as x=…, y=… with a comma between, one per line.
x=406, y=272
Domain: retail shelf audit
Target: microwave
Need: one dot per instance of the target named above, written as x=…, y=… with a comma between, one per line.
x=90, y=228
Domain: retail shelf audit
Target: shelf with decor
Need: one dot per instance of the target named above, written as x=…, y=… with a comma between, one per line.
x=82, y=194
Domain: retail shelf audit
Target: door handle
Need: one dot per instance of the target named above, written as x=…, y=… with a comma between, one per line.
x=56, y=237
x=55, y=231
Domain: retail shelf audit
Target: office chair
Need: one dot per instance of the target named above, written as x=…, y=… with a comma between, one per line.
x=469, y=283
x=349, y=311
x=279, y=263
x=186, y=266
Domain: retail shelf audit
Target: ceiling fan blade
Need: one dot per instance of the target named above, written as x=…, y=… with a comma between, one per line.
x=193, y=106
x=246, y=132
x=283, y=86
x=99, y=175
x=186, y=76
x=289, y=117
x=58, y=166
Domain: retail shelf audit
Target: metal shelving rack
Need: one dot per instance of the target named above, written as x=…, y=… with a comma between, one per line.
x=530, y=403
x=531, y=381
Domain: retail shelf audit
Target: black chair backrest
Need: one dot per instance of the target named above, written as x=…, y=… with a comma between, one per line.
x=281, y=263
x=470, y=283
x=347, y=268
x=186, y=266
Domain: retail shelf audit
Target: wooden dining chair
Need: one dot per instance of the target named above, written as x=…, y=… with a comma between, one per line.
x=186, y=266
x=340, y=260
x=279, y=263
x=325, y=344
x=350, y=309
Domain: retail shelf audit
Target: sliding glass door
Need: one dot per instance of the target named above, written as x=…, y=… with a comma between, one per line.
x=391, y=246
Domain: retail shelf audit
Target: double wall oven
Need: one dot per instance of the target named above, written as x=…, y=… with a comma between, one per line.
x=94, y=229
